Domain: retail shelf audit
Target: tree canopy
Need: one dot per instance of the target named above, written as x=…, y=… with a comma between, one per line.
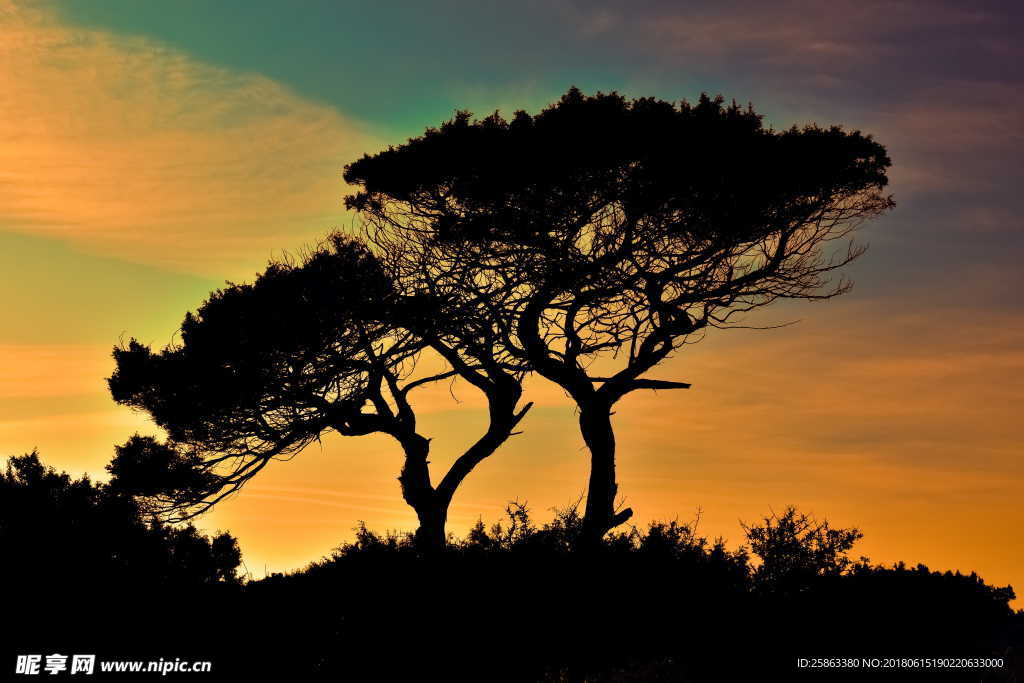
x=262, y=369
x=607, y=227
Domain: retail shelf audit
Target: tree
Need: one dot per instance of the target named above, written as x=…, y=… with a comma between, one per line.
x=620, y=229
x=264, y=369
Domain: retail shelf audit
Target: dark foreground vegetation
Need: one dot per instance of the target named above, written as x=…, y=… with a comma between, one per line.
x=84, y=571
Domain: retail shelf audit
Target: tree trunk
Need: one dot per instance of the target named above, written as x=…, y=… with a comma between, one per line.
x=600, y=516
x=431, y=536
x=430, y=503
x=431, y=509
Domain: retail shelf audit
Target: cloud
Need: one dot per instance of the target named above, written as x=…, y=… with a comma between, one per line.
x=124, y=145
x=844, y=35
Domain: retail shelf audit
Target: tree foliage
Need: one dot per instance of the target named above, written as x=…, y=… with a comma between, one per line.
x=261, y=371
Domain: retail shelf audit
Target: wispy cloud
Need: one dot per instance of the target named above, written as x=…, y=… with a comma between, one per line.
x=125, y=145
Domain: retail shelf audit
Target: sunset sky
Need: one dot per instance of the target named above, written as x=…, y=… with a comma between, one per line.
x=153, y=150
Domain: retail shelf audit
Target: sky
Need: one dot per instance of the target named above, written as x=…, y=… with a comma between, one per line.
x=154, y=151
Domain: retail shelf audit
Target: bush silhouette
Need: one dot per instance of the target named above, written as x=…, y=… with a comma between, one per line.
x=795, y=549
x=83, y=563
x=514, y=601
x=86, y=532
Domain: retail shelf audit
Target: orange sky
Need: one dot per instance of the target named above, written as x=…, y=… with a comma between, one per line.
x=137, y=177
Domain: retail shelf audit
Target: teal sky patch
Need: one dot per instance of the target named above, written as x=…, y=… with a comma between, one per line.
x=55, y=294
x=398, y=66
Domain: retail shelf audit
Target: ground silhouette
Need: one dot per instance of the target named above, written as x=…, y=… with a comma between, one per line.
x=86, y=572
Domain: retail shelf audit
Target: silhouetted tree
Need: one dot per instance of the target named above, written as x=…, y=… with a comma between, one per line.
x=263, y=369
x=615, y=228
